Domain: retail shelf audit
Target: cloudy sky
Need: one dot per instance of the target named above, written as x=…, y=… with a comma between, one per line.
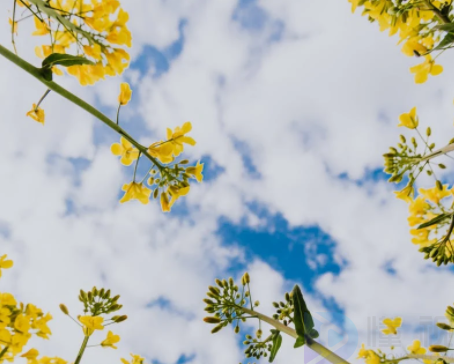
x=292, y=105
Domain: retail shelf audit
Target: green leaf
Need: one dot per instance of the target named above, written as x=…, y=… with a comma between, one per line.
x=447, y=40
x=277, y=341
x=300, y=341
x=300, y=308
x=65, y=60
x=46, y=73
x=435, y=220
x=446, y=27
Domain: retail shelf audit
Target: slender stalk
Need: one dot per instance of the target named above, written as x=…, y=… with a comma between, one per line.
x=82, y=349
x=41, y=99
x=3, y=352
x=446, y=149
x=311, y=343
x=434, y=358
x=443, y=18
x=36, y=72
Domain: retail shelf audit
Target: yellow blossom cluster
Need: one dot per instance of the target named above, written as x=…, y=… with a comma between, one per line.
x=418, y=25
x=90, y=28
x=19, y=322
x=429, y=204
x=171, y=180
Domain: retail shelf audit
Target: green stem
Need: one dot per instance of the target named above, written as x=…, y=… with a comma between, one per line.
x=443, y=18
x=82, y=349
x=41, y=99
x=3, y=352
x=434, y=358
x=118, y=114
x=311, y=343
x=36, y=72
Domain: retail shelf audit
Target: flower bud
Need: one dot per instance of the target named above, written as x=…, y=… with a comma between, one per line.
x=64, y=309
x=212, y=320
x=443, y=326
x=438, y=348
x=120, y=318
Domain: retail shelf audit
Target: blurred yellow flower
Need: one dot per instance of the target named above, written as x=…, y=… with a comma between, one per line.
x=196, y=171
x=36, y=114
x=423, y=70
x=91, y=323
x=409, y=120
x=416, y=348
x=136, y=191
x=110, y=340
x=126, y=150
x=178, y=137
x=5, y=263
x=391, y=325
x=125, y=93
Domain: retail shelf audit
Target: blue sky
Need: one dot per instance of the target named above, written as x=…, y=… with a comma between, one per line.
x=291, y=119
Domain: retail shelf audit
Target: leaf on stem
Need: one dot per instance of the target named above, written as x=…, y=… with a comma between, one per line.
x=277, y=341
x=435, y=220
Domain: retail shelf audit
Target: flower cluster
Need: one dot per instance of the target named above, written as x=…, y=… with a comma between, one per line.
x=93, y=29
x=166, y=178
x=407, y=160
x=19, y=322
x=422, y=26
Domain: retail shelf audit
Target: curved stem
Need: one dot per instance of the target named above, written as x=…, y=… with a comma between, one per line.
x=36, y=72
x=443, y=18
x=311, y=343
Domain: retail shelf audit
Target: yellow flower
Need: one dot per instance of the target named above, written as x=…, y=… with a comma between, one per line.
x=36, y=113
x=176, y=192
x=196, y=171
x=22, y=324
x=91, y=323
x=178, y=137
x=363, y=352
x=126, y=150
x=136, y=359
x=372, y=358
x=125, y=93
x=7, y=299
x=423, y=70
x=162, y=151
x=411, y=46
x=434, y=194
x=41, y=27
x=416, y=348
x=110, y=340
x=31, y=356
x=409, y=120
x=165, y=205
x=406, y=193
x=4, y=263
x=391, y=325
x=136, y=191
x=41, y=325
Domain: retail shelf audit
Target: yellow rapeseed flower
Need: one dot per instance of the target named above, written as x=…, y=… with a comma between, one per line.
x=416, y=348
x=406, y=193
x=423, y=70
x=178, y=137
x=165, y=205
x=91, y=323
x=196, y=171
x=409, y=120
x=41, y=27
x=110, y=340
x=126, y=150
x=125, y=93
x=392, y=325
x=136, y=191
x=136, y=359
x=162, y=151
x=5, y=263
x=434, y=194
x=177, y=192
x=7, y=299
x=31, y=356
x=36, y=114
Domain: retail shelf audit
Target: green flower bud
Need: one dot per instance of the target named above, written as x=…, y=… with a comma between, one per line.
x=212, y=320
x=444, y=326
x=64, y=309
x=438, y=348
